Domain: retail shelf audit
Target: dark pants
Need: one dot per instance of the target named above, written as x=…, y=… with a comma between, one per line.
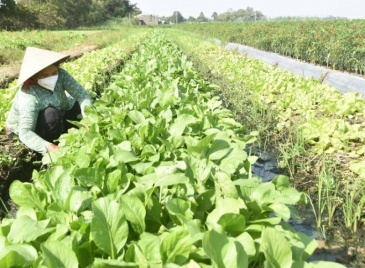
x=51, y=123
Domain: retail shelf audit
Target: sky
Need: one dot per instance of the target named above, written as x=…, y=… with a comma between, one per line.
x=270, y=8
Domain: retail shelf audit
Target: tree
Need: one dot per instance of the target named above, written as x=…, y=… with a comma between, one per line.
x=191, y=19
x=248, y=14
x=214, y=16
x=7, y=6
x=7, y=14
x=201, y=18
x=40, y=14
x=177, y=17
x=74, y=12
x=118, y=8
x=47, y=16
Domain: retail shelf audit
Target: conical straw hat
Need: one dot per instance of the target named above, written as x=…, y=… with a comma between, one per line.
x=35, y=60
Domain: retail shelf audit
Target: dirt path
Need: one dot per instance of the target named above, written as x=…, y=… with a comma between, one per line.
x=10, y=72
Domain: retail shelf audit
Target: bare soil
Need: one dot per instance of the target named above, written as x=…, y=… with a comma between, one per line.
x=16, y=163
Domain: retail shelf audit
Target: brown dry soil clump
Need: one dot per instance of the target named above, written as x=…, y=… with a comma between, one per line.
x=10, y=72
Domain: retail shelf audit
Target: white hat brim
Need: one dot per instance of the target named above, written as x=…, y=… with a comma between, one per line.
x=35, y=60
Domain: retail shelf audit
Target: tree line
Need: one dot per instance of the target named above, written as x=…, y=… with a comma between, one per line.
x=248, y=14
x=56, y=14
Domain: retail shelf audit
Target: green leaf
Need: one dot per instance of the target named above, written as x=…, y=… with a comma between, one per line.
x=264, y=193
x=60, y=232
x=58, y=254
x=358, y=167
x=234, y=255
x=63, y=187
x=146, y=252
x=233, y=161
x=205, y=200
x=199, y=169
x=224, y=206
x=213, y=243
x=88, y=177
x=181, y=209
x=310, y=245
x=180, y=123
x=2, y=241
x=281, y=182
x=225, y=187
x=150, y=247
x=83, y=159
x=176, y=247
x=172, y=179
x=134, y=211
x=247, y=186
x=276, y=249
x=51, y=176
x=25, y=194
x=201, y=146
x=233, y=223
x=271, y=221
x=79, y=199
x=17, y=256
x=248, y=243
x=281, y=210
x=218, y=150
x=109, y=228
x=195, y=230
x=224, y=252
x=135, y=255
x=137, y=117
x=26, y=211
x=25, y=229
x=113, y=179
x=102, y=263
x=123, y=156
x=154, y=214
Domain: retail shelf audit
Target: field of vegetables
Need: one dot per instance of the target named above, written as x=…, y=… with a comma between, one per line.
x=161, y=179
x=337, y=44
x=317, y=132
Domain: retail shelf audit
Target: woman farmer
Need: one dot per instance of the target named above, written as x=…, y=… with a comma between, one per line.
x=47, y=98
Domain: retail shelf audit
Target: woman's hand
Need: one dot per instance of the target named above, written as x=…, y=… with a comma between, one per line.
x=52, y=147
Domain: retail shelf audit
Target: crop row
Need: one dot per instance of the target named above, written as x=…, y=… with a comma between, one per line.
x=160, y=178
x=330, y=125
x=338, y=44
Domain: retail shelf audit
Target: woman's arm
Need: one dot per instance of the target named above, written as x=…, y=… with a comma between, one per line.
x=75, y=90
x=28, y=115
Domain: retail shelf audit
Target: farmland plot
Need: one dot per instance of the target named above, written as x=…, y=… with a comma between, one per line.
x=318, y=132
x=161, y=178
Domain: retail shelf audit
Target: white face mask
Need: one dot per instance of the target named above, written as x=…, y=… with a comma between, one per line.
x=48, y=82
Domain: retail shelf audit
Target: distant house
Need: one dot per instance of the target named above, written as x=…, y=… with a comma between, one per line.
x=148, y=19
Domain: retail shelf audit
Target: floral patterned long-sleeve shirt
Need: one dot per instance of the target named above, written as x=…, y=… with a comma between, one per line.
x=27, y=104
